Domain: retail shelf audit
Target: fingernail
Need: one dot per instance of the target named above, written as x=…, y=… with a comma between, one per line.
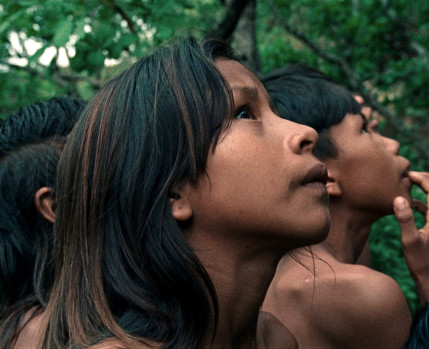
x=400, y=203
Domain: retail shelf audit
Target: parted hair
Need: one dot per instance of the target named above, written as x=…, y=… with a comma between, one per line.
x=30, y=146
x=306, y=96
x=123, y=266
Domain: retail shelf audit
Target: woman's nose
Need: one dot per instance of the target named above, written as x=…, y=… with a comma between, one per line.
x=303, y=138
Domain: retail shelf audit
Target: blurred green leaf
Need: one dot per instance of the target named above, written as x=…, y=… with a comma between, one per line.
x=62, y=34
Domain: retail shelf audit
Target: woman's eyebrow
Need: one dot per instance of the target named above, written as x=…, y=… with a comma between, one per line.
x=248, y=91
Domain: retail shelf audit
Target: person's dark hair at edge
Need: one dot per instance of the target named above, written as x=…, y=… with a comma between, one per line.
x=419, y=330
x=30, y=146
x=147, y=131
x=307, y=96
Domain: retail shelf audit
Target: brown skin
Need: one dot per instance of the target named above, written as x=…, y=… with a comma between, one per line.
x=252, y=207
x=273, y=334
x=335, y=303
x=117, y=344
x=365, y=256
x=28, y=335
x=348, y=306
x=415, y=242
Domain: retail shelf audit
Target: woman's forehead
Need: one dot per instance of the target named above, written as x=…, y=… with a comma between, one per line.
x=236, y=74
x=242, y=81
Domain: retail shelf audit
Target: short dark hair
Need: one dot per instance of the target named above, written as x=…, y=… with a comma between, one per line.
x=53, y=117
x=419, y=330
x=307, y=96
x=30, y=145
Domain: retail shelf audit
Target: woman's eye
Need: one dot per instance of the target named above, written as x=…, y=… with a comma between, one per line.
x=244, y=114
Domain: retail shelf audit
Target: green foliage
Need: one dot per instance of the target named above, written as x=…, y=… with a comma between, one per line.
x=91, y=32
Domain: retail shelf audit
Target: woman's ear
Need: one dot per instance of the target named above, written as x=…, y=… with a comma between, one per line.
x=333, y=185
x=180, y=202
x=45, y=203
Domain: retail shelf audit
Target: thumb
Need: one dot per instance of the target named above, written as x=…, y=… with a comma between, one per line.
x=404, y=215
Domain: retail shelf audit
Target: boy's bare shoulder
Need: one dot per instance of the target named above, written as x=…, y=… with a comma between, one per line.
x=370, y=305
x=361, y=291
x=356, y=290
x=346, y=303
x=326, y=277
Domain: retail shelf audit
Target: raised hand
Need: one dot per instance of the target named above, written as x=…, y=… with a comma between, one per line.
x=415, y=242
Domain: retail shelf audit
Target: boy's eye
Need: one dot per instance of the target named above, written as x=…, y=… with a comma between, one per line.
x=243, y=114
x=372, y=126
x=365, y=127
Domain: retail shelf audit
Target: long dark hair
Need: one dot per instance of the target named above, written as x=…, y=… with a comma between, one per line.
x=30, y=147
x=123, y=266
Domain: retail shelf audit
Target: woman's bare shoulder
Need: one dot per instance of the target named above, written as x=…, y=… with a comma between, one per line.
x=114, y=343
x=28, y=335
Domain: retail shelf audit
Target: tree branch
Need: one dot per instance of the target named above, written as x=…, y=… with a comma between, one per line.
x=125, y=17
x=371, y=98
x=122, y=13
x=227, y=26
x=61, y=78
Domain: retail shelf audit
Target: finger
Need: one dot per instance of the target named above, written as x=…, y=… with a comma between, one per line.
x=405, y=218
x=420, y=206
x=421, y=179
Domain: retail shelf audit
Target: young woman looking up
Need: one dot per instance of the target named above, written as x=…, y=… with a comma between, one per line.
x=178, y=192
x=327, y=300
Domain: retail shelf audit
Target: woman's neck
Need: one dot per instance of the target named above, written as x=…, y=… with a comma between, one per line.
x=241, y=279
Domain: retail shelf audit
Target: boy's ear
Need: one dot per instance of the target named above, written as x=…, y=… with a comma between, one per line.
x=45, y=203
x=180, y=202
x=333, y=185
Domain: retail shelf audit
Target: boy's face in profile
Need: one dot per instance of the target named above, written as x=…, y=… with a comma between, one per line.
x=368, y=171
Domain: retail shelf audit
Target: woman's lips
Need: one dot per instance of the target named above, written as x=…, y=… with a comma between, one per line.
x=316, y=178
